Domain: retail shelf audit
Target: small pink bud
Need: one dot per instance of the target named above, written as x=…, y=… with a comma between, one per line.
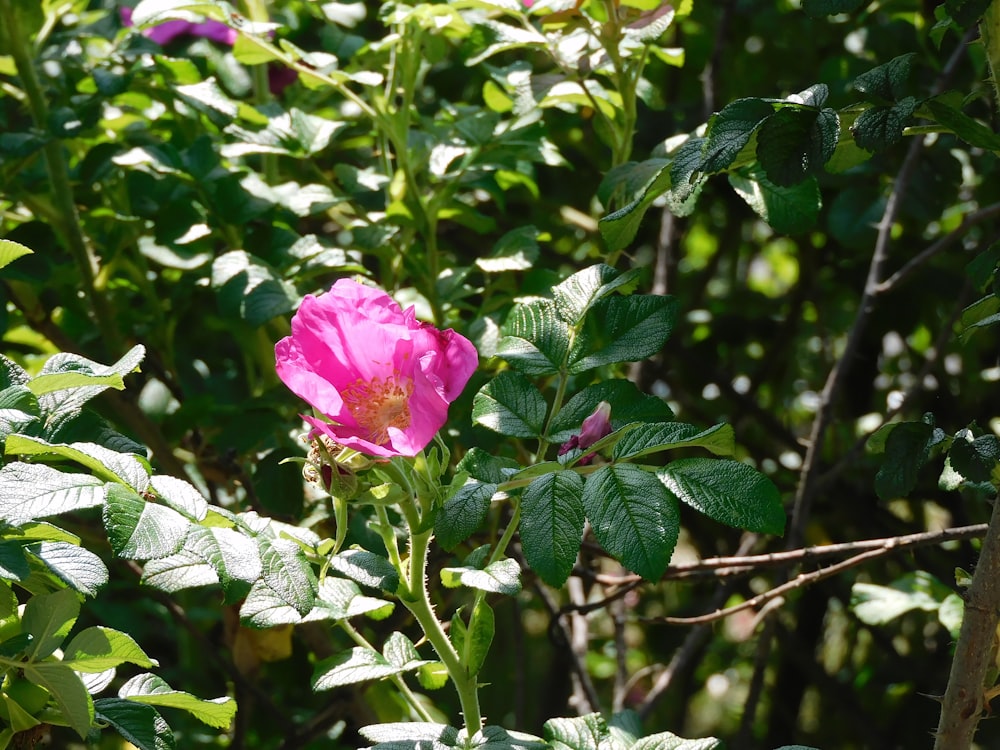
x=594, y=427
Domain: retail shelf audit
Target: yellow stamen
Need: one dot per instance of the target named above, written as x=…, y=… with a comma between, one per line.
x=379, y=404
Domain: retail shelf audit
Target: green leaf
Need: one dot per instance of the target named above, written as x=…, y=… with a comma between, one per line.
x=140, y=530
x=185, y=570
x=11, y=251
x=887, y=81
x=818, y=8
x=366, y=568
x=552, y=521
x=68, y=690
x=575, y=296
x=265, y=608
x=588, y=732
x=75, y=566
x=350, y=667
x=535, y=340
x=486, y=467
x=652, y=438
x=140, y=725
x=61, y=381
x=13, y=563
x=500, y=577
x=32, y=491
x=982, y=313
x=975, y=459
x=796, y=142
x=64, y=404
x=966, y=12
x=432, y=676
x=623, y=329
x=233, y=556
x=288, y=573
x=250, y=289
x=511, y=405
x=730, y=130
x=907, y=448
x=620, y=227
x=209, y=99
x=473, y=642
x=152, y=12
x=411, y=735
x=180, y=495
x=789, y=210
x=880, y=127
x=981, y=270
x=463, y=513
x=669, y=741
x=340, y=599
x=517, y=250
x=686, y=178
x=97, y=649
x=49, y=618
x=878, y=605
x=969, y=130
x=109, y=465
x=150, y=690
x=634, y=517
x=729, y=492
x=628, y=405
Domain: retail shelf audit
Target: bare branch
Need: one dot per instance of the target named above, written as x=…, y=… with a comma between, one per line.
x=798, y=582
x=975, y=651
x=976, y=217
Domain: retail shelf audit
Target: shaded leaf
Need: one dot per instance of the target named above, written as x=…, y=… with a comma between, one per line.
x=552, y=519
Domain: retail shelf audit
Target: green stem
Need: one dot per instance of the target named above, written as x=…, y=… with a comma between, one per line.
x=389, y=540
x=508, y=533
x=62, y=189
x=419, y=604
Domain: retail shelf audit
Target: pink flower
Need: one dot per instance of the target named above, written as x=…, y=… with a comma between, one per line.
x=383, y=378
x=164, y=33
x=594, y=427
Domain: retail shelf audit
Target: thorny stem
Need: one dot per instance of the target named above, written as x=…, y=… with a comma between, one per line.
x=417, y=600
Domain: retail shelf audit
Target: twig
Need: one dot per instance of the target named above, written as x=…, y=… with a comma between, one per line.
x=976, y=217
x=799, y=581
x=718, y=567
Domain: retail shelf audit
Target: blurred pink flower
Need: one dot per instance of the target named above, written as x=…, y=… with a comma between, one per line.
x=383, y=378
x=594, y=427
x=164, y=33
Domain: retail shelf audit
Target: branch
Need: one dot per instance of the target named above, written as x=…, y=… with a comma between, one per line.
x=975, y=652
x=976, y=217
x=720, y=567
x=798, y=582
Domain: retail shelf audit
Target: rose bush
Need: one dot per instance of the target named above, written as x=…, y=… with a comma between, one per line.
x=382, y=379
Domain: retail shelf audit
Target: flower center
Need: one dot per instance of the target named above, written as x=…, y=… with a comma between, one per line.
x=378, y=404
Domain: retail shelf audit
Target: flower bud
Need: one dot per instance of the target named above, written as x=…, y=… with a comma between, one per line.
x=594, y=427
